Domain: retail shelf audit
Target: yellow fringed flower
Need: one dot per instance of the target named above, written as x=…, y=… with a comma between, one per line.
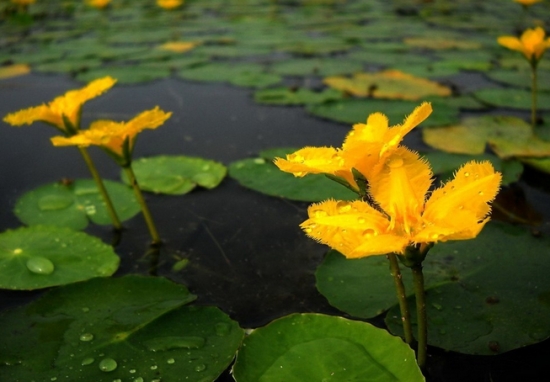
x=456, y=211
x=64, y=111
x=118, y=138
x=169, y=4
x=100, y=4
x=365, y=149
x=532, y=44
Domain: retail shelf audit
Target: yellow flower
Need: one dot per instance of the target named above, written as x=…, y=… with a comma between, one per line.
x=64, y=111
x=527, y=3
x=169, y=4
x=365, y=149
x=531, y=43
x=456, y=211
x=100, y=4
x=178, y=46
x=118, y=138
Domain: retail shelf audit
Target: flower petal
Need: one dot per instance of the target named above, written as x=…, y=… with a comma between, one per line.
x=346, y=226
x=511, y=42
x=312, y=160
x=400, y=188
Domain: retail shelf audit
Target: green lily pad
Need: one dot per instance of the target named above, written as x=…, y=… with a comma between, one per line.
x=488, y=290
x=44, y=256
x=131, y=328
x=315, y=347
x=357, y=110
x=512, y=98
x=388, y=58
x=445, y=165
x=176, y=175
x=317, y=66
x=261, y=175
x=73, y=205
x=240, y=75
x=286, y=96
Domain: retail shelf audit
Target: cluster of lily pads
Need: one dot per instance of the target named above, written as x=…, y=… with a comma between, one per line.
x=341, y=61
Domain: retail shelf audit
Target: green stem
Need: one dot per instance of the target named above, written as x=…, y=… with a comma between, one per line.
x=421, y=318
x=144, y=209
x=103, y=191
x=401, y=296
x=534, y=96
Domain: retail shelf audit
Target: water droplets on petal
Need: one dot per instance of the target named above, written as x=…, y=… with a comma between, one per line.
x=343, y=206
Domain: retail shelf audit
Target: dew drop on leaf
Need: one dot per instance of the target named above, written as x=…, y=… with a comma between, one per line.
x=201, y=367
x=222, y=329
x=86, y=337
x=138, y=379
x=107, y=365
x=40, y=265
x=168, y=343
x=171, y=361
x=87, y=361
x=54, y=202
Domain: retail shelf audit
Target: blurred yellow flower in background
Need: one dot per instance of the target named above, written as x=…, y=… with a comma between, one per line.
x=169, y=4
x=100, y=4
x=64, y=111
x=23, y=2
x=527, y=3
x=532, y=44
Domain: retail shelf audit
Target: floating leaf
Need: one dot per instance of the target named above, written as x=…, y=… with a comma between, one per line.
x=521, y=78
x=357, y=110
x=472, y=135
x=388, y=84
x=473, y=289
x=130, y=328
x=72, y=205
x=14, y=70
x=316, y=66
x=261, y=175
x=388, y=58
x=126, y=74
x=512, y=98
x=44, y=256
x=176, y=175
x=286, y=96
x=315, y=347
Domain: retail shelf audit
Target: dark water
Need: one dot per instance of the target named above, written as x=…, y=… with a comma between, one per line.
x=247, y=254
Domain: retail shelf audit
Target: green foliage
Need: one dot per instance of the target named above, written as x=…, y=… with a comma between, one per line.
x=315, y=347
x=176, y=175
x=44, y=256
x=129, y=328
x=74, y=204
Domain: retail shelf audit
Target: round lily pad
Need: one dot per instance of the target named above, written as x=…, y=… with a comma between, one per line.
x=131, y=328
x=521, y=78
x=512, y=98
x=128, y=74
x=44, y=256
x=316, y=66
x=261, y=175
x=315, y=347
x=72, y=204
x=176, y=175
x=286, y=96
x=357, y=110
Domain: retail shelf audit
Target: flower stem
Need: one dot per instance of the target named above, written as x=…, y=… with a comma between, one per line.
x=144, y=209
x=421, y=318
x=101, y=187
x=401, y=296
x=533, y=97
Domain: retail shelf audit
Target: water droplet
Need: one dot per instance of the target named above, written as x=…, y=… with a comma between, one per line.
x=155, y=380
x=86, y=337
x=83, y=190
x=87, y=361
x=435, y=236
x=54, y=202
x=107, y=365
x=117, y=380
x=90, y=210
x=395, y=162
x=17, y=251
x=168, y=343
x=40, y=265
x=53, y=379
x=205, y=178
x=361, y=220
x=343, y=206
x=466, y=174
x=437, y=306
x=317, y=212
x=132, y=371
x=138, y=379
x=171, y=361
x=480, y=193
x=201, y=367
x=259, y=160
x=369, y=233
x=154, y=367
x=85, y=309
x=222, y=329
x=307, y=230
